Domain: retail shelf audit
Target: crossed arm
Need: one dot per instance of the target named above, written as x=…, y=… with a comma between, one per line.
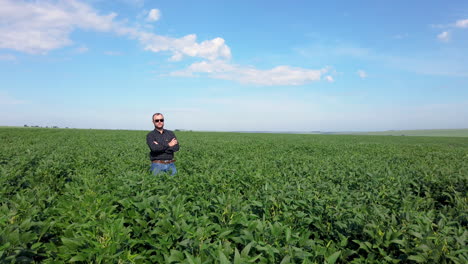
x=170, y=144
x=155, y=146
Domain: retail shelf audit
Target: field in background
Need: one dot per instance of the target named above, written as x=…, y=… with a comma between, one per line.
x=70, y=195
x=422, y=132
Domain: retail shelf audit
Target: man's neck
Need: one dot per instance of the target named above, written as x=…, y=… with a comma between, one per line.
x=160, y=130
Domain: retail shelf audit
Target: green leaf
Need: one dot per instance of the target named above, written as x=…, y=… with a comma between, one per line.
x=225, y=233
x=246, y=250
x=424, y=247
x=71, y=243
x=416, y=234
x=176, y=256
x=417, y=258
x=36, y=245
x=222, y=258
x=191, y=259
x=333, y=257
x=398, y=241
x=4, y=246
x=237, y=257
x=288, y=234
x=78, y=258
x=286, y=259
x=185, y=242
x=368, y=244
x=26, y=224
x=251, y=260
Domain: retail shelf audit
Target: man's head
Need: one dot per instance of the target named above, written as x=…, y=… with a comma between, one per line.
x=158, y=121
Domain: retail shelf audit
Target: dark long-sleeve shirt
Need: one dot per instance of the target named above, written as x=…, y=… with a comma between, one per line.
x=161, y=151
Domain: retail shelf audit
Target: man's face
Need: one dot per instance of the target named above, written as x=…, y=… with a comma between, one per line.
x=158, y=121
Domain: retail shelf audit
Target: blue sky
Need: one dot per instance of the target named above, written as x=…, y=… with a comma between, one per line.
x=235, y=65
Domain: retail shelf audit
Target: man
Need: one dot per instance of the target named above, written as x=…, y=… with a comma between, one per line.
x=162, y=143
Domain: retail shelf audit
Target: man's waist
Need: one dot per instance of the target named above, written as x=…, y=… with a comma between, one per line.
x=163, y=161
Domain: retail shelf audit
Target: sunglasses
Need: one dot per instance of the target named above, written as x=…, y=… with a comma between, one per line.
x=159, y=120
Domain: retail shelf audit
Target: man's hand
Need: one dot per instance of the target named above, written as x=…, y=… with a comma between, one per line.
x=173, y=142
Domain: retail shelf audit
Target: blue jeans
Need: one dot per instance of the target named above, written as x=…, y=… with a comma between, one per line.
x=157, y=168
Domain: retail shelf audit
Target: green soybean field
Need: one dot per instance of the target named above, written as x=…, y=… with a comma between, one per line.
x=87, y=196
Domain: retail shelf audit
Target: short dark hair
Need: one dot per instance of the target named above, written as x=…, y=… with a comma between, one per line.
x=155, y=114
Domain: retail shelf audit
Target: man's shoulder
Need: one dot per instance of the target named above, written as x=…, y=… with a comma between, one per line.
x=168, y=131
x=152, y=132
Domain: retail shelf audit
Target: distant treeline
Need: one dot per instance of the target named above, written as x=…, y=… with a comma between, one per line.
x=44, y=126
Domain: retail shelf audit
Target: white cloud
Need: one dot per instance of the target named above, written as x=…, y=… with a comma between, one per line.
x=362, y=74
x=37, y=27
x=185, y=46
x=463, y=23
x=154, y=15
x=444, y=36
x=180, y=47
x=40, y=26
x=329, y=78
x=280, y=75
